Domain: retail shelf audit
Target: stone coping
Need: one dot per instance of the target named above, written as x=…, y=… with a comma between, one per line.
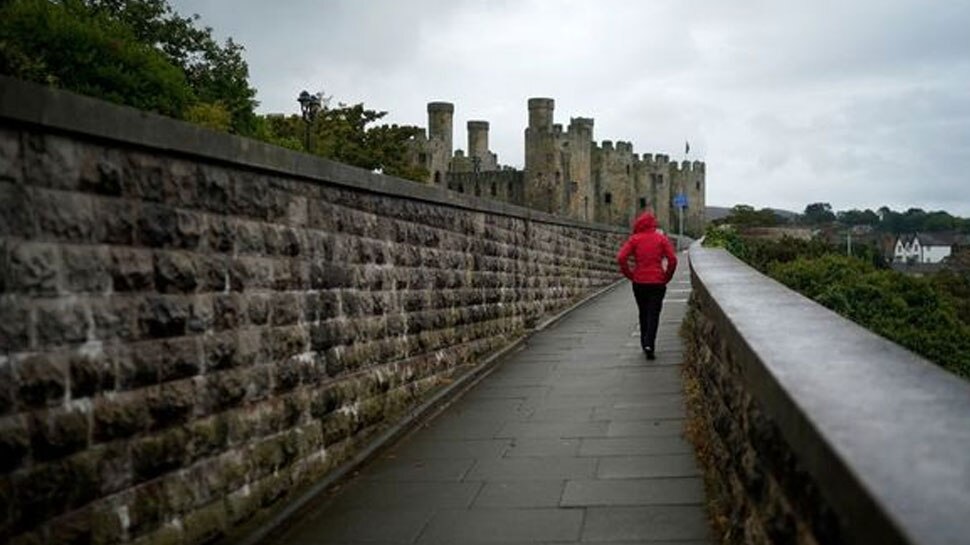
x=884, y=433
x=54, y=109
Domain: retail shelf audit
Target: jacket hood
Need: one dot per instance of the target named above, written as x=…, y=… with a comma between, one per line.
x=644, y=223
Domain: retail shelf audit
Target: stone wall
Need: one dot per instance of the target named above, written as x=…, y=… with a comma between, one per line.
x=812, y=430
x=194, y=327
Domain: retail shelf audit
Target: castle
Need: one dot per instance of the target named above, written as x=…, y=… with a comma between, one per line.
x=566, y=172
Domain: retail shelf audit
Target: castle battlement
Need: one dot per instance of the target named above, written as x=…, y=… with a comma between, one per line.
x=566, y=171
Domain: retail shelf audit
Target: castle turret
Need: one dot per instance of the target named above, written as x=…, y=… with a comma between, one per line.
x=540, y=113
x=440, y=115
x=478, y=139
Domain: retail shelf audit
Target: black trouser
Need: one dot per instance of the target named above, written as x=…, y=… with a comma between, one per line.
x=650, y=300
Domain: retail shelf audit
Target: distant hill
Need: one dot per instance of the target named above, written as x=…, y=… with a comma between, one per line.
x=718, y=212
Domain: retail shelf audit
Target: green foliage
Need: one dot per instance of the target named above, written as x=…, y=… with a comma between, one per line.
x=818, y=213
x=346, y=134
x=214, y=116
x=216, y=73
x=743, y=215
x=727, y=238
x=134, y=52
x=67, y=45
x=907, y=310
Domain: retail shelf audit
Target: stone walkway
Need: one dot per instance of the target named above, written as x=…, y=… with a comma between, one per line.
x=576, y=438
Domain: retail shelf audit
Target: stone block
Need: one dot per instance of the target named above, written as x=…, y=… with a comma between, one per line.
x=68, y=217
x=285, y=309
x=120, y=417
x=228, y=311
x=114, y=318
x=17, y=217
x=132, y=270
x=213, y=273
x=86, y=269
x=214, y=188
x=51, y=161
x=175, y=272
x=249, y=238
x=102, y=171
x=220, y=351
x=158, y=454
x=31, y=268
x=208, y=437
x=11, y=155
x=14, y=443
x=258, y=306
x=41, y=494
x=42, y=379
x=15, y=324
x=284, y=342
x=58, y=433
x=225, y=389
x=201, y=314
x=171, y=403
x=147, y=510
x=161, y=316
x=220, y=236
x=205, y=525
x=90, y=374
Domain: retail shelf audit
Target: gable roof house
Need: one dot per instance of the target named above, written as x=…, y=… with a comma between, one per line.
x=924, y=247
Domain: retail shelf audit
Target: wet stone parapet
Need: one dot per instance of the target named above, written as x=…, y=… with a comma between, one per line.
x=811, y=429
x=187, y=340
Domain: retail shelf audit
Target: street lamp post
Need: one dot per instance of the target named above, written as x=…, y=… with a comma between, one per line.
x=309, y=106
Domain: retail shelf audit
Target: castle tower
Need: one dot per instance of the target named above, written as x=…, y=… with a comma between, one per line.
x=478, y=139
x=440, y=115
x=543, y=181
x=540, y=113
x=576, y=150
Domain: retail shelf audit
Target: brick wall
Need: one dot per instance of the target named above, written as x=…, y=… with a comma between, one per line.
x=194, y=326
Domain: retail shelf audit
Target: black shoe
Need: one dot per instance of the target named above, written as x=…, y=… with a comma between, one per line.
x=649, y=353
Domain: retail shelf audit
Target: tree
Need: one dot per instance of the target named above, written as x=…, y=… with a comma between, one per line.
x=743, y=215
x=67, y=45
x=818, y=213
x=346, y=133
x=858, y=217
x=217, y=74
x=135, y=52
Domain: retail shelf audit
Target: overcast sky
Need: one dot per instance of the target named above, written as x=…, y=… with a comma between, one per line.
x=860, y=103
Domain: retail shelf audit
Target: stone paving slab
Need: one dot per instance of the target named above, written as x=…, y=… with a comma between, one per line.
x=574, y=438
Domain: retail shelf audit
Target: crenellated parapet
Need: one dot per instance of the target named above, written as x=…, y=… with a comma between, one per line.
x=567, y=172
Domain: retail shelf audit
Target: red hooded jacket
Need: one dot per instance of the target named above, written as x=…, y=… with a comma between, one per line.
x=648, y=248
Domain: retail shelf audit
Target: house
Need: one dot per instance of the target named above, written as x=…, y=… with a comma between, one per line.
x=924, y=247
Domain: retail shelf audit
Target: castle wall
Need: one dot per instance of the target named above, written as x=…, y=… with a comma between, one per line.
x=688, y=179
x=500, y=185
x=613, y=167
x=565, y=172
x=196, y=327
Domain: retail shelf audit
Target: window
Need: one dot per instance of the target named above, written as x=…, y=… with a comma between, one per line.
x=643, y=202
x=607, y=197
x=628, y=170
x=478, y=190
x=437, y=177
x=494, y=189
x=510, y=189
x=423, y=158
x=698, y=185
x=461, y=188
x=558, y=176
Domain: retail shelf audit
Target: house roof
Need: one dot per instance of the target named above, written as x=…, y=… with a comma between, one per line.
x=937, y=239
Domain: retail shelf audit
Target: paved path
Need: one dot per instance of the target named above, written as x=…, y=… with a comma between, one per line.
x=576, y=438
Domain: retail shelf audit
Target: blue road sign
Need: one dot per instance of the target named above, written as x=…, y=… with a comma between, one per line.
x=680, y=200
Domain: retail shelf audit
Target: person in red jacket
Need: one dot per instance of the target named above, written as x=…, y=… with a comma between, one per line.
x=649, y=249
